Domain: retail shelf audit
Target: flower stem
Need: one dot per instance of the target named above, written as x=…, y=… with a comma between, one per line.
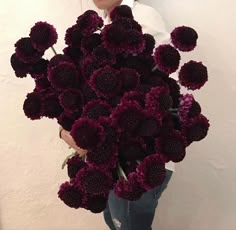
x=154, y=68
x=173, y=110
x=54, y=51
x=121, y=172
x=67, y=158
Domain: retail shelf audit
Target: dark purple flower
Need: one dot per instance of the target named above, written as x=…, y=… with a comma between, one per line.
x=21, y=69
x=195, y=129
x=105, y=156
x=132, y=149
x=105, y=82
x=158, y=100
x=96, y=203
x=88, y=93
x=90, y=42
x=96, y=108
x=151, y=172
x=89, y=22
x=127, y=116
x=103, y=56
x=74, y=53
x=189, y=108
x=130, y=78
x=149, y=44
x=87, y=133
x=43, y=36
x=193, y=75
x=32, y=106
x=171, y=146
x=184, y=38
x=134, y=96
x=122, y=11
x=39, y=69
x=51, y=107
x=66, y=120
x=111, y=132
x=71, y=100
x=74, y=165
x=73, y=36
x=94, y=180
x=88, y=66
x=63, y=76
x=149, y=126
x=57, y=59
x=42, y=83
x=135, y=42
x=129, y=189
x=114, y=38
x=167, y=58
x=128, y=24
x=71, y=195
x=26, y=52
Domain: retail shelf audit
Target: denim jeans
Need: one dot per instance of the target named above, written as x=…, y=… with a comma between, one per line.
x=121, y=214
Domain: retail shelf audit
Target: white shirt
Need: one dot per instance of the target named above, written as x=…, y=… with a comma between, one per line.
x=152, y=23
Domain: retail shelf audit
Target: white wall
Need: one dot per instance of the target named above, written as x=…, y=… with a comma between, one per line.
x=201, y=195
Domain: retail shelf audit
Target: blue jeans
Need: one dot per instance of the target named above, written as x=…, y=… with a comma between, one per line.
x=121, y=214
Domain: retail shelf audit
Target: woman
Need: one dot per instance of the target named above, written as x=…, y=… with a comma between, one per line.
x=123, y=214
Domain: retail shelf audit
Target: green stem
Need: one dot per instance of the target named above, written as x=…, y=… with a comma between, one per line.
x=67, y=158
x=121, y=172
x=54, y=51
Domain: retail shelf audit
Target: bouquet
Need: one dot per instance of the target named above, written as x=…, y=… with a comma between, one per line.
x=112, y=90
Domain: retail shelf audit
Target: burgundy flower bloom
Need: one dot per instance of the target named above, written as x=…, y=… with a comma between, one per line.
x=104, y=156
x=71, y=100
x=26, y=52
x=103, y=56
x=193, y=75
x=63, y=76
x=74, y=53
x=158, y=100
x=39, y=69
x=90, y=42
x=122, y=11
x=135, y=42
x=167, y=125
x=96, y=108
x=149, y=44
x=114, y=38
x=184, y=38
x=105, y=82
x=21, y=69
x=42, y=83
x=57, y=59
x=88, y=93
x=111, y=132
x=127, y=116
x=129, y=189
x=51, y=107
x=128, y=24
x=66, y=120
x=195, y=129
x=71, y=195
x=96, y=203
x=149, y=126
x=132, y=149
x=73, y=36
x=43, y=36
x=174, y=90
x=171, y=146
x=32, y=106
x=151, y=172
x=134, y=96
x=89, y=22
x=88, y=66
x=87, y=133
x=74, y=165
x=94, y=180
x=189, y=108
x=167, y=58
x=130, y=78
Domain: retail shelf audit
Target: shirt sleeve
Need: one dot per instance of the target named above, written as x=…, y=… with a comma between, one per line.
x=152, y=23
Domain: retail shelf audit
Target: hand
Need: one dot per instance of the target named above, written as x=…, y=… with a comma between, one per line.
x=65, y=135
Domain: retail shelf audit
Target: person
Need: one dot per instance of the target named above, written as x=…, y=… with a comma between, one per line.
x=121, y=214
